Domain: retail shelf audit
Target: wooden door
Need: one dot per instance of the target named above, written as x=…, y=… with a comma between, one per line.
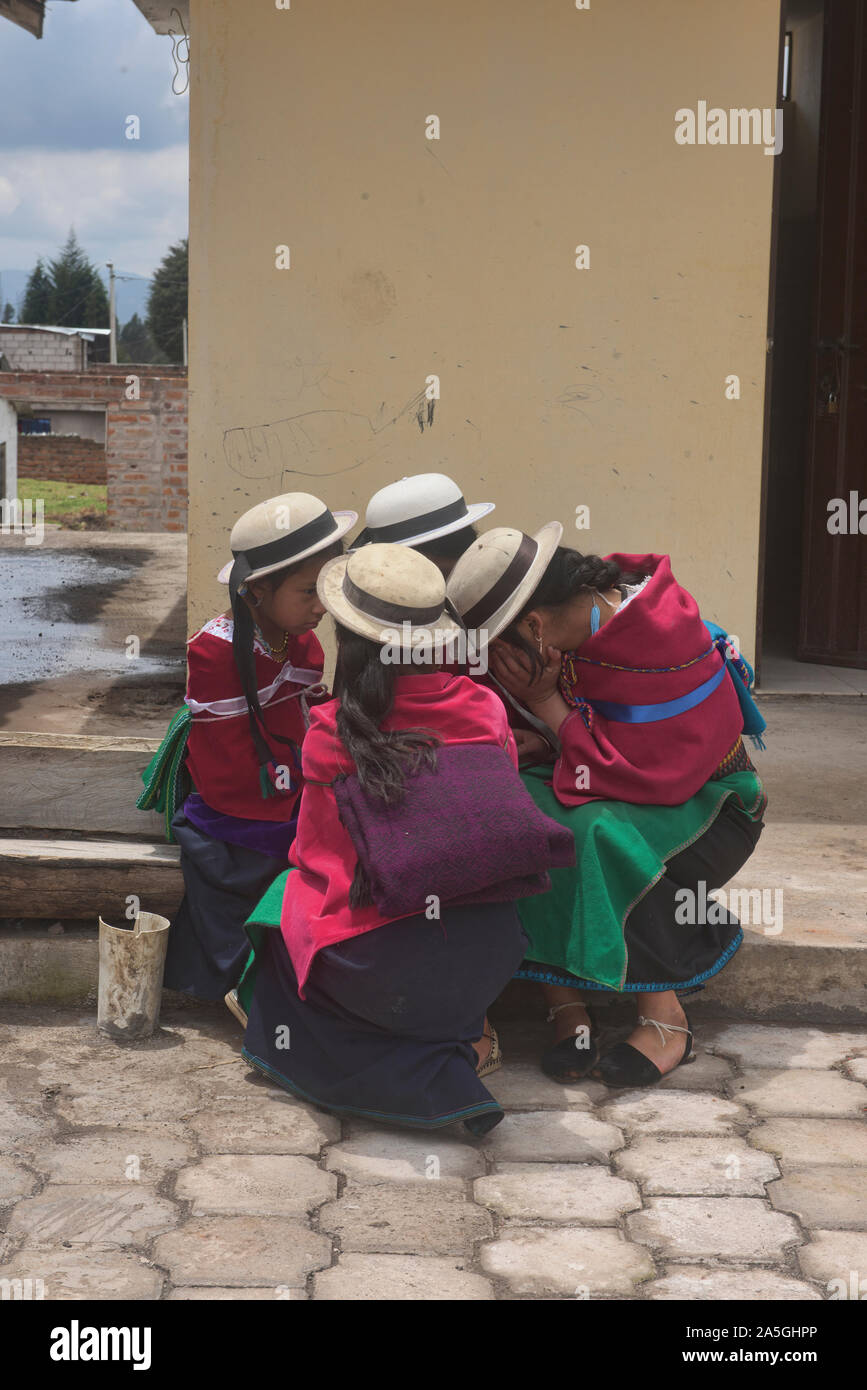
x=833, y=620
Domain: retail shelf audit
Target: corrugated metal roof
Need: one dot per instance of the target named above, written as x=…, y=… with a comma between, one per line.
x=88, y=333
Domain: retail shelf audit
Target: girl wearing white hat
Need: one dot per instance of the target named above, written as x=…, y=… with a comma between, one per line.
x=645, y=709
x=427, y=512
x=250, y=672
x=385, y=1008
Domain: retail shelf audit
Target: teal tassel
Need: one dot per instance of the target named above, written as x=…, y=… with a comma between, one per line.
x=266, y=786
x=757, y=741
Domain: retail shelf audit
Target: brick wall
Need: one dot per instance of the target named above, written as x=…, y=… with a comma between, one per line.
x=29, y=350
x=61, y=457
x=146, y=439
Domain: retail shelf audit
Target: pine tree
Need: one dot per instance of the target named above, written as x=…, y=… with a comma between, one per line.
x=135, y=344
x=8, y=315
x=38, y=304
x=167, y=302
x=80, y=300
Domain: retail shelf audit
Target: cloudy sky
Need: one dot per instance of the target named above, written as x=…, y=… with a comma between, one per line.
x=64, y=158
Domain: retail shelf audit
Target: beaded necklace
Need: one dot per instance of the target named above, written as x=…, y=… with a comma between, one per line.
x=277, y=653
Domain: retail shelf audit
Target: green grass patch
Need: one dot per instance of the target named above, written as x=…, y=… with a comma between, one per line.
x=68, y=504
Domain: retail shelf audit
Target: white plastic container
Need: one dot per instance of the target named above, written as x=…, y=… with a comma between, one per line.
x=131, y=964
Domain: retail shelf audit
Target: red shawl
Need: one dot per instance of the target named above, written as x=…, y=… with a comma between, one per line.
x=656, y=650
x=316, y=911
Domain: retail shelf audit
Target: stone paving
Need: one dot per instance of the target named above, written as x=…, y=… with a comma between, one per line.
x=170, y=1170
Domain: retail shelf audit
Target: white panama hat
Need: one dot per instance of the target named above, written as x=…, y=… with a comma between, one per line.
x=493, y=580
x=418, y=509
x=283, y=530
x=375, y=591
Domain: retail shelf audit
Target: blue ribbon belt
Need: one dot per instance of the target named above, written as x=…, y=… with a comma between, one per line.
x=666, y=709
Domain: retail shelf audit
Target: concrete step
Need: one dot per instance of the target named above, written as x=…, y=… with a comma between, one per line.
x=804, y=955
x=84, y=878
x=75, y=782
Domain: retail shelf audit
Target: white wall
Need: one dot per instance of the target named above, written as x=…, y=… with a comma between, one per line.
x=9, y=437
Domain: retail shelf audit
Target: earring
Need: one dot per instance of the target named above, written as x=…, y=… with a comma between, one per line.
x=594, y=618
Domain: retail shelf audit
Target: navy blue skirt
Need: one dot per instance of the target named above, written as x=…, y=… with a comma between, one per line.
x=208, y=946
x=387, y=1028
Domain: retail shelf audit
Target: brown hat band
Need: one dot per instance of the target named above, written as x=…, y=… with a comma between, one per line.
x=372, y=607
x=515, y=571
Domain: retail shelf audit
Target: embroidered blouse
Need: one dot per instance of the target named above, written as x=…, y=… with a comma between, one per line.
x=220, y=754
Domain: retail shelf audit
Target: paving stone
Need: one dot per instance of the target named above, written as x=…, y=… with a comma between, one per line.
x=18, y=1081
x=824, y=1196
x=113, y=1156
x=524, y=1086
x=837, y=1256
x=235, y=1295
x=400, y=1278
x=857, y=1067
x=72, y=1275
x=580, y=1192
x=121, y=1101
x=405, y=1218
x=769, y=1045
x=553, y=1137
x=706, y=1073
x=673, y=1112
x=19, y=1123
x=383, y=1155
x=257, y=1184
x=235, y=1080
x=690, y=1166
x=15, y=1182
x=799, y=1091
x=714, y=1228
x=290, y=1129
x=692, y=1282
x=801, y=1143
x=245, y=1251
x=99, y=1217
x=597, y=1263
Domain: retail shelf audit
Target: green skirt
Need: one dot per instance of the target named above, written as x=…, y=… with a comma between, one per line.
x=621, y=851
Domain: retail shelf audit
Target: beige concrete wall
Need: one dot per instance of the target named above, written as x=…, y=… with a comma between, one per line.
x=409, y=257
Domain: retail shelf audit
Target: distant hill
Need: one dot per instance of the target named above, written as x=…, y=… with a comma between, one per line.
x=131, y=294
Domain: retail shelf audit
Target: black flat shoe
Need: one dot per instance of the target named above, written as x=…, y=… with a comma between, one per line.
x=625, y=1067
x=566, y=1062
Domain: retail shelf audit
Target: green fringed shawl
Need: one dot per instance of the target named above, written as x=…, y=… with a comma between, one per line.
x=620, y=852
x=166, y=780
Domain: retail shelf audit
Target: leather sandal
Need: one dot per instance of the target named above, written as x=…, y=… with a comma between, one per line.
x=494, y=1059
x=233, y=1004
x=568, y=1062
x=624, y=1066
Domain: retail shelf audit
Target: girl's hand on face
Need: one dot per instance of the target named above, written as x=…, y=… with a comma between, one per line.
x=513, y=670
